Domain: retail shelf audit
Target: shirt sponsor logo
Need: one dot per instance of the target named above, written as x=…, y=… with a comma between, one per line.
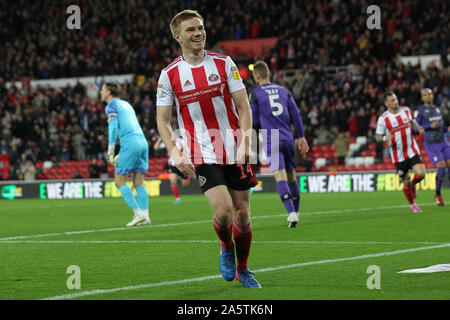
x=235, y=72
x=202, y=94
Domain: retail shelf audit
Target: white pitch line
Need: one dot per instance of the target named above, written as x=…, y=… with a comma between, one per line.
x=212, y=277
x=199, y=222
x=216, y=241
x=55, y=205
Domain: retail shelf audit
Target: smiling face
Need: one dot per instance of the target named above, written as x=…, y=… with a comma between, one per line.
x=191, y=35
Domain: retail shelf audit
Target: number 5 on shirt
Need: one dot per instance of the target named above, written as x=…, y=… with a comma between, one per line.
x=277, y=108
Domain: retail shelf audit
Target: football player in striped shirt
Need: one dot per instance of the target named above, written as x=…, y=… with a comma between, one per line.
x=395, y=126
x=215, y=121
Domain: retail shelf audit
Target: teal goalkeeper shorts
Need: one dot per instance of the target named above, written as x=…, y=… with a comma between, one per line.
x=133, y=155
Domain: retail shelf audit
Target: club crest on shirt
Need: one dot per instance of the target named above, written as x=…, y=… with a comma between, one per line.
x=213, y=77
x=201, y=181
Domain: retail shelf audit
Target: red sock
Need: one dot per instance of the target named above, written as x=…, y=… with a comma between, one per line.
x=409, y=195
x=175, y=191
x=243, y=241
x=416, y=180
x=224, y=233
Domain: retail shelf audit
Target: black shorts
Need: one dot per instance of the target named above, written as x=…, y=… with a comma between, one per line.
x=175, y=170
x=404, y=166
x=237, y=176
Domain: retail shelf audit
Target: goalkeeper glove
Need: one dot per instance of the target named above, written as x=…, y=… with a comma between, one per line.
x=110, y=156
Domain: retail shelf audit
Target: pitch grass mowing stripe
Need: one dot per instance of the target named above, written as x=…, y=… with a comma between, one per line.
x=212, y=277
x=215, y=242
x=201, y=221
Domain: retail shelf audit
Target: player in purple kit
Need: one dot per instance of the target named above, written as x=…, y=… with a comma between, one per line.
x=438, y=149
x=274, y=109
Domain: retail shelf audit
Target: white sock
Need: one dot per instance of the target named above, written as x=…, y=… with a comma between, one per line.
x=145, y=214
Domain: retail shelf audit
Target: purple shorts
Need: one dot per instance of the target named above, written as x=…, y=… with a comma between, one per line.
x=281, y=155
x=438, y=151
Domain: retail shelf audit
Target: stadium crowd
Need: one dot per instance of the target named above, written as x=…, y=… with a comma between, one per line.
x=59, y=124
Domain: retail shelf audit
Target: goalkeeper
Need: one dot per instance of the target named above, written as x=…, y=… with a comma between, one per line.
x=133, y=155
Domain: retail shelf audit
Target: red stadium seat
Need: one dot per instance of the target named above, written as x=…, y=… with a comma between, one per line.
x=369, y=153
x=325, y=148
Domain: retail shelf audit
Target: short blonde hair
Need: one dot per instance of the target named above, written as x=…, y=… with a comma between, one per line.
x=261, y=68
x=182, y=16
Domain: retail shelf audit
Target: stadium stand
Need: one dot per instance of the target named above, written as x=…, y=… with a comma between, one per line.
x=337, y=78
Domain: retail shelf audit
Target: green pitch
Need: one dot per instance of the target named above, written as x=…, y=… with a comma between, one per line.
x=176, y=258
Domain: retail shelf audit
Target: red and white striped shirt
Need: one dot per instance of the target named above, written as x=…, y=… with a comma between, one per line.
x=207, y=117
x=403, y=145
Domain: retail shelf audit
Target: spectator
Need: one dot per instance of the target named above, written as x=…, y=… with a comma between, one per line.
x=77, y=175
x=352, y=124
x=322, y=137
x=94, y=170
x=363, y=122
x=28, y=171
x=4, y=163
x=341, y=143
x=79, y=142
x=307, y=163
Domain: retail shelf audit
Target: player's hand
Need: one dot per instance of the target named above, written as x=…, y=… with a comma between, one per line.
x=388, y=137
x=421, y=131
x=303, y=146
x=182, y=162
x=245, y=154
x=112, y=159
x=434, y=124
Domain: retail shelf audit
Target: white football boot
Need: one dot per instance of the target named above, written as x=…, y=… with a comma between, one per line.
x=138, y=218
x=293, y=220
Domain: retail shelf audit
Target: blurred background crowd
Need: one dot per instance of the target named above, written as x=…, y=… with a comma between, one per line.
x=61, y=124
